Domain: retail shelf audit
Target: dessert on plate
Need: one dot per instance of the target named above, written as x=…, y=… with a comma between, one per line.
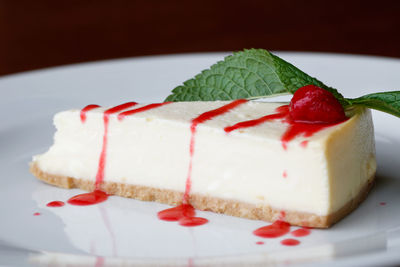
x=243, y=158
x=309, y=162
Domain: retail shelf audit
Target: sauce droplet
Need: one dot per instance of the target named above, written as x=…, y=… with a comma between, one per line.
x=290, y=242
x=304, y=143
x=301, y=232
x=36, y=214
x=55, y=204
x=260, y=243
x=192, y=221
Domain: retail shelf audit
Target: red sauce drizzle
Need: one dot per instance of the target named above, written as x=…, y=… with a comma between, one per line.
x=98, y=196
x=86, y=109
x=185, y=213
x=301, y=232
x=55, y=204
x=255, y=122
x=274, y=230
x=290, y=242
x=122, y=115
x=260, y=243
x=95, y=197
x=102, y=161
x=295, y=128
x=195, y=122
x=36, y=214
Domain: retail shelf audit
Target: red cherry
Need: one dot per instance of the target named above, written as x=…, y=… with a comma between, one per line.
x=312, y=104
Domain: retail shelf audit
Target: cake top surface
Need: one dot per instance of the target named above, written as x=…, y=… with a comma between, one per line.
x=186, y=112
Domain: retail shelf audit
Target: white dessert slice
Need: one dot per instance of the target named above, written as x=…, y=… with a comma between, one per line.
x=314, y=182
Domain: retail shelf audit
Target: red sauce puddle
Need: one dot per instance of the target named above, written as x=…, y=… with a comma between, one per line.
x=55, y=204
x=294, y=130
x=274, y=230
x=301, y=232
x=36, y=214
x=290, y=242
x=185, y=213
x=95, y=197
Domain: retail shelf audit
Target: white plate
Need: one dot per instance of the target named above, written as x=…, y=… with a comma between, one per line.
x=126, y=231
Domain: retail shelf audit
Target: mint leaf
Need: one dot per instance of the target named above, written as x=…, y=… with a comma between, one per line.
x=294, y=78
x=256, y=73
x=253, y=73
x=388, y=102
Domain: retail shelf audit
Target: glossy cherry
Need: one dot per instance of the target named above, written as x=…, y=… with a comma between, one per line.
x=312, y=104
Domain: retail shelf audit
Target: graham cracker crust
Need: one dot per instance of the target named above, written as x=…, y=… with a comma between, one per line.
x=207, y=203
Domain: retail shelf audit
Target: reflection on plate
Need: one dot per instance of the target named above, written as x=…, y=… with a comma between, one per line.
x=125, y=231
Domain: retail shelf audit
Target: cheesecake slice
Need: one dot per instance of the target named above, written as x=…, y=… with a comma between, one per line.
x=241, y=158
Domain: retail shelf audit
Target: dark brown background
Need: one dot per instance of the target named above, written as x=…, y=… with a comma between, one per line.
x=37, y=34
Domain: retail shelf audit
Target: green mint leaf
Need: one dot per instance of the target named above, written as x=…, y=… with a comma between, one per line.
x=388, y=102
x=253, y=73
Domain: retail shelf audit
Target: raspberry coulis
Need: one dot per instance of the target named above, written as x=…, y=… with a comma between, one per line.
x=305, y=115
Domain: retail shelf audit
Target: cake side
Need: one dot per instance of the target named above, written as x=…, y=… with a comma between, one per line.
x=350, y=153
x=225, y=206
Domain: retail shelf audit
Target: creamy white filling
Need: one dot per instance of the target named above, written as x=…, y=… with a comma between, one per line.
x=152, y=149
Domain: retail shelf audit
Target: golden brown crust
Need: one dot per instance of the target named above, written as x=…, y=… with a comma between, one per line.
x=201, y=202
